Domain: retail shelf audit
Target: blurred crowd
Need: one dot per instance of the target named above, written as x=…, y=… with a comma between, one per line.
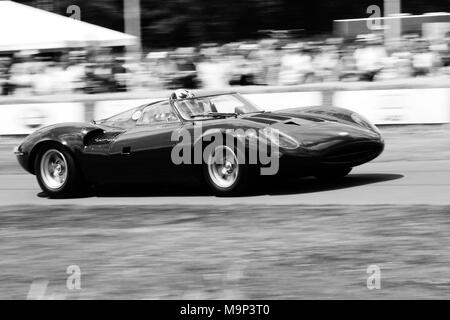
x=213, y=66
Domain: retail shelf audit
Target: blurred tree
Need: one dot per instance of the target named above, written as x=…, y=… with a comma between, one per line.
x=168, y=23
x=184, y=22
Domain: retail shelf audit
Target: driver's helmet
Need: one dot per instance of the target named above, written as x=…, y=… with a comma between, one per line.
x=181, y=94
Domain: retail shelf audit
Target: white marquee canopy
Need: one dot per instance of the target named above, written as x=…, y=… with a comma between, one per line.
x=26, y=28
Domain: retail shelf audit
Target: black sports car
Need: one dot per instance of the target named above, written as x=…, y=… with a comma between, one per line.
x=144, y=144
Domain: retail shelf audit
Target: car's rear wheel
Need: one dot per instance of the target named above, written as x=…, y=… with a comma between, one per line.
x=57, y=173
x=332, y=173
x=223, y=172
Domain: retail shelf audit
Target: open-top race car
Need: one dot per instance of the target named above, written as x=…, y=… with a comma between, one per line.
x=221, y=138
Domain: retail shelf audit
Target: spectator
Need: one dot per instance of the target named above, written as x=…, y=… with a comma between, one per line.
x=267, y=62
x=422, y=62
x=369, y=60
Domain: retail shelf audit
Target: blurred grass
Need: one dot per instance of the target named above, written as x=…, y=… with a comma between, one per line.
x=265, y=252
x=411, y=142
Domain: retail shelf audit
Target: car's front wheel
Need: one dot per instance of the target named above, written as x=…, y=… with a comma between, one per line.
x=56, y=172
x=223, y=172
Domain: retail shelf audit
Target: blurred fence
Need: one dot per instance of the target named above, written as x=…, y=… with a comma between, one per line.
x=412, y=102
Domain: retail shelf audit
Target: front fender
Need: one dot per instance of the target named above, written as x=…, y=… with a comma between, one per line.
x=72, y=136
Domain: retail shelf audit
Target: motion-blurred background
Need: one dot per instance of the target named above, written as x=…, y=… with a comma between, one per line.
x=216, y=44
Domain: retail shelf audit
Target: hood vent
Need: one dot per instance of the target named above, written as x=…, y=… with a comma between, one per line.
x=292, y=123
x=260, y=120
x=271, y=116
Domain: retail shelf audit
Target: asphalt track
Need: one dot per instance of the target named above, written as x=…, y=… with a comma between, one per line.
x=413, y=169
x=398, y=182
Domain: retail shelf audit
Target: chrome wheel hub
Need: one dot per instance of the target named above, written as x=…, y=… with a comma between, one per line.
x=223, y=167
x=53, y=169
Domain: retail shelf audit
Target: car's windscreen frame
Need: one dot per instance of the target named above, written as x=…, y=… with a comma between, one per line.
x=236, y=96
x=140, y=122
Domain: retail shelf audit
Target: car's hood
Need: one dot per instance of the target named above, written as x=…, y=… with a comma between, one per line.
x=311, y=129
x=273, y=118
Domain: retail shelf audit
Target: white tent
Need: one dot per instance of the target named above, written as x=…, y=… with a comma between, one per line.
x=26, y=28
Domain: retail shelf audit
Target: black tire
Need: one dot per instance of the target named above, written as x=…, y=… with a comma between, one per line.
x=240, y=182
x=72, y=184
x=332, y=173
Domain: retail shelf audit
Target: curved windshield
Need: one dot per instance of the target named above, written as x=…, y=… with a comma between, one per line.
x=214, y=106
x=123, y=116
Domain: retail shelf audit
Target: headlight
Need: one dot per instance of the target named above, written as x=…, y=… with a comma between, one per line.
x=279, y=138
x=363, y=122
x=17, y=151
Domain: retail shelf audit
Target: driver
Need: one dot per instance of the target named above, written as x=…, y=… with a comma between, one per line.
x=195, y=106
x=181, y=94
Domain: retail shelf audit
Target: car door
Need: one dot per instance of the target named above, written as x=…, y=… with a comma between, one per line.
x=144, y=152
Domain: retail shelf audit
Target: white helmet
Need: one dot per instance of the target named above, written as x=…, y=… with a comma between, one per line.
x=181, y=94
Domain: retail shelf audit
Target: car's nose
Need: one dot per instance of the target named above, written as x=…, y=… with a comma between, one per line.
x=327, y=134
x=17, y=151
